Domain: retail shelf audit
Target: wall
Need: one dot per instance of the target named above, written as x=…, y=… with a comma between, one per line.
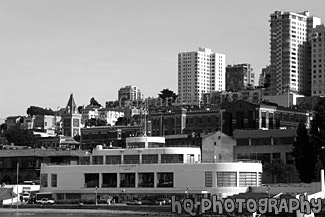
x=217, y=144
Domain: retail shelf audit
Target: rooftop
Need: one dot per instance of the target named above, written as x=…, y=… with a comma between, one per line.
x=40, y=152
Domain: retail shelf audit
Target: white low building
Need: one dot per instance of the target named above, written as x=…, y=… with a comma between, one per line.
x=148, y=169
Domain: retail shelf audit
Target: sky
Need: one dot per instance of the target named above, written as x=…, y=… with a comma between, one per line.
x=91, y=48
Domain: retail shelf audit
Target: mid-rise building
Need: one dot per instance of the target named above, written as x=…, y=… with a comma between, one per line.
x=239, y=77
x=318, y=59
x=290, y=51
x=44, y=122
x=216, y=98
x=264, y=76
x=89, y=112
x=244, y=115
x=110, y=115
x=200, y=72
x=129, y=93
x=185, y=121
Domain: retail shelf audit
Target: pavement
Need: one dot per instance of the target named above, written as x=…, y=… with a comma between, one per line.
x=79, y=211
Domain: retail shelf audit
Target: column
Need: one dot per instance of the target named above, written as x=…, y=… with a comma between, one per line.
x=100, y=180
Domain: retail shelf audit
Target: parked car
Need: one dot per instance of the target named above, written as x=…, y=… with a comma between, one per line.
x=26, y=196
x=136, y=202
x=147, y=202
x=46, y=201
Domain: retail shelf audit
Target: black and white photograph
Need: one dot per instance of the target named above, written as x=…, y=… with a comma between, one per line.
x=119, y=108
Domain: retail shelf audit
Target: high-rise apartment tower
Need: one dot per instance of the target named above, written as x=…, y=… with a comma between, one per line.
x=199, y=72
x=290, y=51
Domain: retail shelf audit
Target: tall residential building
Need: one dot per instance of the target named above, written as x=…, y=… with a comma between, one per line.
x=131, y=93
x=290, y=51
x=200, y=72
x=318, y=61
x=239, y=77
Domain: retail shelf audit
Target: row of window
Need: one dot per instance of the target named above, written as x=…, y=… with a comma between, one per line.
x=229, y=179
x=127, y=180
x=266, y=157
x=265, y=141
x=164, y=180
x=135, y=159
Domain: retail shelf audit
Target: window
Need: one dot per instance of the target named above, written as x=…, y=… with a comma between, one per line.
x=247, y=179
x=131, y=159
x=113, y=159
x=44, y=180
x=91, y=180
x=97, y=160
x=127, y=180
x=150, y=158
x=263, y=119
x=242, y=142
x=276, y=156
x=109, y=180
x=146, y=180
x=190, y=158
x=289, y=158
x=54, y=180
x=172, y=158
x=286, y=140
x=165, y=180
x=226, y=179
x=208, y=179
x=270, y=120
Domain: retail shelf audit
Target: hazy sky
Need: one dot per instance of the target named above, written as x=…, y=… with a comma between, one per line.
x=91, y=48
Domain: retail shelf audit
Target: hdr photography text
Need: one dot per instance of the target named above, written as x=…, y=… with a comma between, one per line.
x=240, y=205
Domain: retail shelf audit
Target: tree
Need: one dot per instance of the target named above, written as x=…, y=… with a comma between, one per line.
x=167, y=94
x=121, y=121
x=3, y=128
x=94, y=102
x=277, y=169
x=35, y=110
x=20, y=137
x=304, y=154
x=317, y=131
x=95, y=122
x=80, y=109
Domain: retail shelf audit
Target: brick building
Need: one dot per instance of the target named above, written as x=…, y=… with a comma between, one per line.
x=184, y=121
x=248, y=116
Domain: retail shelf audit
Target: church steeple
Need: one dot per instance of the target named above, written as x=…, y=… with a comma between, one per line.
x=71, y=119
x=71, y=107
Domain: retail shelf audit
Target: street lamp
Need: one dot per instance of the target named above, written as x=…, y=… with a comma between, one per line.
x=268, y=191
x=186, y=192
